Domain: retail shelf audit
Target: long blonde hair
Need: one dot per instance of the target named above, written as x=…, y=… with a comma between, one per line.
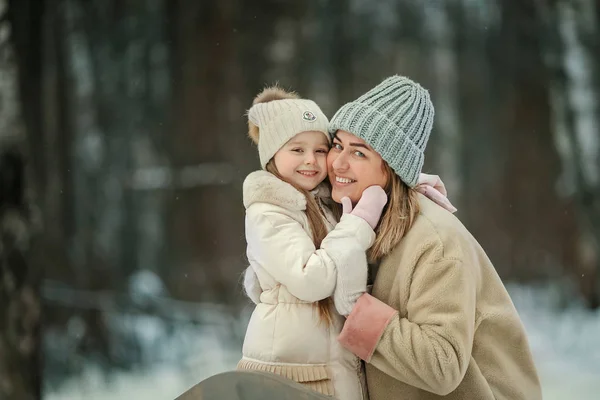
x=318, y=231
x=313, y=213
x=397, y=218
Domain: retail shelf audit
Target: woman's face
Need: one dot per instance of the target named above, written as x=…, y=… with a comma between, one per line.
x=353, y=166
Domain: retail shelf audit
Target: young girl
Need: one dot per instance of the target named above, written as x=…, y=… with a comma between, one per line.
x=294, y=249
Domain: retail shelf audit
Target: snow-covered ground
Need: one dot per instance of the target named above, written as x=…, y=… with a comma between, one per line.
x=565, y=342
x=564, y=338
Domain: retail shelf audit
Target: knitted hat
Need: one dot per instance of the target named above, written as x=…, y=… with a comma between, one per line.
x=279, y=118
x=395, y=119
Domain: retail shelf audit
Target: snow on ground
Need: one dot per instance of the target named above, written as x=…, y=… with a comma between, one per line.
x=564, y=343
x=564, y=339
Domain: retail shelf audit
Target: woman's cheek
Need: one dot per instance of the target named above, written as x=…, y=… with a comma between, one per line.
x=355, y=197
x=336, y=195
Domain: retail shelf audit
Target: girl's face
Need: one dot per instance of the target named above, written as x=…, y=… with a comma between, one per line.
x=303, y=159
x=353, y=166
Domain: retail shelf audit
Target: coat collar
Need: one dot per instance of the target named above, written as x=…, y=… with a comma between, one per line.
x=264, y=187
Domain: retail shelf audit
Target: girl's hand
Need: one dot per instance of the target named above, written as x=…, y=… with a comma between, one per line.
x=432, y=187
x=369, y=207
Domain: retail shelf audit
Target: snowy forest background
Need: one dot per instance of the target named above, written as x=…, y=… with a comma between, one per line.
x=123, y=150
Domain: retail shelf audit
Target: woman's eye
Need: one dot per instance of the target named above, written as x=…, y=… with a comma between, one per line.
x=359, y=154
x=337, y=146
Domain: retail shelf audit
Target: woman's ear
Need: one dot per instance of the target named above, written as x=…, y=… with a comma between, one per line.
x=388, y=177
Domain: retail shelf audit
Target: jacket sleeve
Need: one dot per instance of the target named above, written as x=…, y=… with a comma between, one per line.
x=252, y=287
x=431, y=347
x=280, y=245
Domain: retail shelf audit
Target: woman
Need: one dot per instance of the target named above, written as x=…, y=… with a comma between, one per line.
x=439, y=323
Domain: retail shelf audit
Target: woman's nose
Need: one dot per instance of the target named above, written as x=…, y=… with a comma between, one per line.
x=340, y=162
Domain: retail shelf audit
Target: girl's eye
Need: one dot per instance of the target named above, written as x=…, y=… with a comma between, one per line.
x=297, y=150
x=323, y=151
x=359, y=154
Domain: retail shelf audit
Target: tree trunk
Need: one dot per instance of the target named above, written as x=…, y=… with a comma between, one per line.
x=571, y=55
x=441, y=31
x=19, y=274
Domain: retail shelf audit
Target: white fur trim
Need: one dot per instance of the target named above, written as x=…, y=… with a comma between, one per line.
x=264, y=187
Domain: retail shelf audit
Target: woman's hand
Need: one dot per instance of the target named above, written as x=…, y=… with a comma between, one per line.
x=432, y=187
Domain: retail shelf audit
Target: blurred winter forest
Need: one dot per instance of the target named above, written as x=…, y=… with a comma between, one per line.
x=123, y=149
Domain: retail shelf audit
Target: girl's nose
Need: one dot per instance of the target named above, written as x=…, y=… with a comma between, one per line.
x=310, y=158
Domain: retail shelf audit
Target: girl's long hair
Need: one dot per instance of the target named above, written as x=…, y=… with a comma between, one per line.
x=315, y=219
x=318, y=231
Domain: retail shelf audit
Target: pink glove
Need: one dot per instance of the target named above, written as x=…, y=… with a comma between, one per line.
x=369, y=207
x=432, y=187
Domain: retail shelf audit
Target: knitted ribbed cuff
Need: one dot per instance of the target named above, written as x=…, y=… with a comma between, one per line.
x=365, y=325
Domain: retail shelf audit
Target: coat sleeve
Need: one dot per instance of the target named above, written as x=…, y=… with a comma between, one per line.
x=431, y=347
x=280, y=245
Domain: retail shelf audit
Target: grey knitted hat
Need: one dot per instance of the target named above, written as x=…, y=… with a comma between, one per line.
x=395, y=118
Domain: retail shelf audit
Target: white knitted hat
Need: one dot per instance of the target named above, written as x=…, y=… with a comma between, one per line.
x=281, y=120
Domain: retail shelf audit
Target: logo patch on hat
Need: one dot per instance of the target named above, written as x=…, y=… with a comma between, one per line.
x=309, y=116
